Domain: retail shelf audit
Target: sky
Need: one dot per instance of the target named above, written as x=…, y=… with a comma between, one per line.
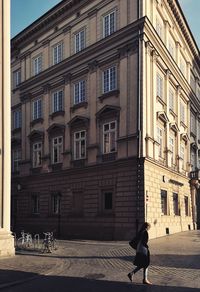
x=24, y=12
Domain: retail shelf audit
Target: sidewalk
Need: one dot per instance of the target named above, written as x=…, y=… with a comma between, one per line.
x=175, y=264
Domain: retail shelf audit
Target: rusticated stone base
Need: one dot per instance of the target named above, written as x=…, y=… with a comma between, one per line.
x=6, y=244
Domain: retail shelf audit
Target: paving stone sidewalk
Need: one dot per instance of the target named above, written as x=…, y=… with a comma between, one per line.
x=175, y=263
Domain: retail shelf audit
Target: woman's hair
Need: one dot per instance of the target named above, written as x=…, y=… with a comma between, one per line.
x=144, y=226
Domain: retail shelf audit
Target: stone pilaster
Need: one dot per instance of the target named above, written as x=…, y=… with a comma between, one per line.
x=6, y=239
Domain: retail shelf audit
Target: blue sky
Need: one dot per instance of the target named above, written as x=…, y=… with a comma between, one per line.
x=24, y=12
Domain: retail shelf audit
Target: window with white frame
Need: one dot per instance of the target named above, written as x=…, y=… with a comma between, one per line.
x=17, y=119
x=57, y=53
x=37, y=109
x=57, y=149
x=17, y=77
x=37, y=65
x=79, y=41
x=109, y=137
x=171, y=100
x=79, y=145
x=35, y=204
x=182, y=112
x=171, y=47
x=109, y=79
x=182, y=151
x=160, y=140
x=176, y=204
x=159, y=27
x=55, y=203
x=163, y=197
x=159, y=85
x=37, y=154
x=182, y=65
x=109, y=23
x=79, y=91
x=172, y=148
x=16, y=158
x=57, y=101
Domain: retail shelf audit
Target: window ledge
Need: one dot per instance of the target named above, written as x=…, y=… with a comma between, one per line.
x=109, y=94
x=79, y=162
x=109, y=156
x=16, y=130
x=56, y=166
x=159, y=99
x=173, y=113
x=58, y=113
x=36, y=170
x=83, y=104
x=36, y=121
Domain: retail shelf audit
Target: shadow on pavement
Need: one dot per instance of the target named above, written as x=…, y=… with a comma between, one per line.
x=75, y=284
x=163, y=260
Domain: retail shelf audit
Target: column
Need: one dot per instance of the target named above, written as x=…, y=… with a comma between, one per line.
x=6, y=239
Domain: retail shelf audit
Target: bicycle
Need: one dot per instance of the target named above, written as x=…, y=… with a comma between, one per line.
x=25, y=240
x=49, y=242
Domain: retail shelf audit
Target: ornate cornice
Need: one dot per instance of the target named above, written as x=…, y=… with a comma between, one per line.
x=182, y=22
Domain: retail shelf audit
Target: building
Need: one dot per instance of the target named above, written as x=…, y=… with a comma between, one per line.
x=102, y=101
x=6, y=238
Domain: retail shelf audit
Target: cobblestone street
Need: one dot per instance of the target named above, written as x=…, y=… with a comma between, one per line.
x=103, y=266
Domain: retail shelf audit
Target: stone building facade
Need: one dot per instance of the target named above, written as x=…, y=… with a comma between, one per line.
x=101, y=110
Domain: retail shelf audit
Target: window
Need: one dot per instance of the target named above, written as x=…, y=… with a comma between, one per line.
x=171, y=99
x=109, y=79
x=79, y=41
x=109, y=24
x=107, y=201
x=192, y=123
x=35, y=204
x=77, y=203
x=17, y=119
x=57, y=101
x=182, y=66
x=160, y=140
x=171, y=47
x=17, y=77
x=57, y=53
x=182, y=112
x=159, y=86
x=163, y=202
x=186, y=204
x=16, y=157
x=37, y=65
x=79, y=91
x=192, y=82
x=37, y=154
x=193, y=159
x=175, y=204
x=159, y=28
x=109, y=137
x=37, y=109
x=182, y=151
x=172, y=148
x=57, y=149
x=55, y=203
x=80, y=145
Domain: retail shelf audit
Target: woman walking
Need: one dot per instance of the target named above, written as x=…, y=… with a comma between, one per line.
x=142, y=258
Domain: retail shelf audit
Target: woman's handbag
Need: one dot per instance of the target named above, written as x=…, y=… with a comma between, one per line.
x=134, y=242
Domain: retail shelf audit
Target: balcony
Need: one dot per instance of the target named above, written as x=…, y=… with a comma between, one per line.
x=195, y=175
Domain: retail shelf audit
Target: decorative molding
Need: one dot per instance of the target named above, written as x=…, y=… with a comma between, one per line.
x=162, y=116
x=92, y=66
x=67, y=78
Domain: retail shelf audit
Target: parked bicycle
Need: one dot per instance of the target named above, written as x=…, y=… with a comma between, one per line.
x=49, y=242
x=25, y=240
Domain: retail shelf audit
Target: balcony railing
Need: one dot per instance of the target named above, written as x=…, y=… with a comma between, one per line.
x=195, y=174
